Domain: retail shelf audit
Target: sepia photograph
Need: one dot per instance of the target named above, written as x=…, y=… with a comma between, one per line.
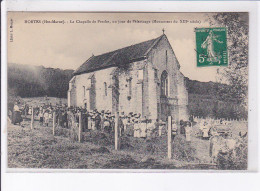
x=127, y=90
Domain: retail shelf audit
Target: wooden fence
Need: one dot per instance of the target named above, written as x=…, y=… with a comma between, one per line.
x=218, y=120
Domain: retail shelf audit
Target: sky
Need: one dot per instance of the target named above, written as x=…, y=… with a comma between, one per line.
x=67, y=45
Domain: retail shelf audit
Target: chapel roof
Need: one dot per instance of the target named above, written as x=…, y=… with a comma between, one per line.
x=118, y=57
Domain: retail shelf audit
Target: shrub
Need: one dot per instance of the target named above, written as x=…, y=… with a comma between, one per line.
x=235, y=159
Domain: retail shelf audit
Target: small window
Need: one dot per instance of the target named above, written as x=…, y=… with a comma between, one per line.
x=105, y=88
x=84, y=91
x=155, y=74
x=166, y=56
x=129, y=88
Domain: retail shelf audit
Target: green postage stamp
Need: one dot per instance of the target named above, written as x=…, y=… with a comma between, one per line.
x=211, y=44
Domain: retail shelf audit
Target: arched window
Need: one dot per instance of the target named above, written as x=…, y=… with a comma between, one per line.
x=164, y=84
x=105, y=88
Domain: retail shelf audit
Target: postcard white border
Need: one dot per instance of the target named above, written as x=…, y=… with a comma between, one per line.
x=14, y=181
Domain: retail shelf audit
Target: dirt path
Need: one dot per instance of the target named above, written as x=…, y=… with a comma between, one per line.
x=202, y=146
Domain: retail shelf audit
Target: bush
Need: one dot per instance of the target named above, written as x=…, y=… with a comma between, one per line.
x=235, y=159
x=98, y=138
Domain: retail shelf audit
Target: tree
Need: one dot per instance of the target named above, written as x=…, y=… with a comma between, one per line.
x=236, y=74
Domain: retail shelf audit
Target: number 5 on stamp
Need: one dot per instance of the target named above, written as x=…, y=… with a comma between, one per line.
x=211, y=44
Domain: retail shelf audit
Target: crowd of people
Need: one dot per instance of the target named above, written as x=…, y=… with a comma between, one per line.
x=131, y=124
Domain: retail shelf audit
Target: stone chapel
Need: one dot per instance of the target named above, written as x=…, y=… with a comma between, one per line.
x=143, y=78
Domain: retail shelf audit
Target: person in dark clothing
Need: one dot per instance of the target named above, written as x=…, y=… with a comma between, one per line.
x=26, y=110
x=84, y=121
x=191, y=119
x=16, y=116
x=97, y=121
x=156, y=128
x=77, y=117
x=121, y=126
x=182, y=127
x=174, y=129
x=64, y=119
x=59, y=116
x=112, y=125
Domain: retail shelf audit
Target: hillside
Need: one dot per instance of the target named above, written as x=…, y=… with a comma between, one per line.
x=34, y=81
x=211, y=99
x=210, y=90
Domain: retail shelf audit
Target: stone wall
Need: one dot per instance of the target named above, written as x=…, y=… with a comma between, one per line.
x=94, y=86
x=132, y=85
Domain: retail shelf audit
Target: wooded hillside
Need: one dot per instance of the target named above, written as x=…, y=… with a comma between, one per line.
x=34, y=81
x=211, y=99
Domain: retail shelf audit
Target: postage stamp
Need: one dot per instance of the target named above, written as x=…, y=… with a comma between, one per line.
x=211, y=44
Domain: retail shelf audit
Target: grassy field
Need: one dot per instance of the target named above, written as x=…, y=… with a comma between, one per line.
x=38, y=148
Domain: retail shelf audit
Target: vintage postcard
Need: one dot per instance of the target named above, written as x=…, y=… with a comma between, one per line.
x=133, y=90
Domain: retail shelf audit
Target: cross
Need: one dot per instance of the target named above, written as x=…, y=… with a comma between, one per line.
x=163, y=30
